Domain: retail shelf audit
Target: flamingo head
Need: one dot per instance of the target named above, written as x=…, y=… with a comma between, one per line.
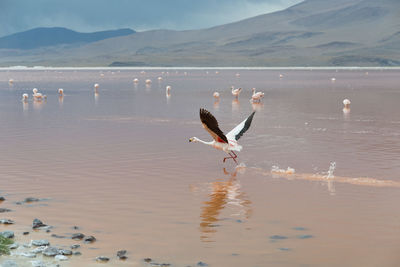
x=193, y=139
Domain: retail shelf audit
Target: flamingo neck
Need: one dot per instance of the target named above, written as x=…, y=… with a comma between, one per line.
x=204, y=142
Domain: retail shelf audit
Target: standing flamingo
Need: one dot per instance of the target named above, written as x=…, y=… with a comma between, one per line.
x=236, y=92
x=256, y=97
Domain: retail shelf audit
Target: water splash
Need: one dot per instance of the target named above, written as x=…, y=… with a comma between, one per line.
x=276, y=169
x=332, y=168
x=241, y=168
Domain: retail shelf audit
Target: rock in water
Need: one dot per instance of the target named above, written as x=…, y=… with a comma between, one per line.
x=89, y=239
x=7, y=234
x=37, y=224
x=31, y=199
x=102, y=259
x=28, y=254
x=4, y=210
x=50, y=251
x=65, y=252
x=9, y=263
x=39, y=249
x=58, y=236
x=78, y=236
x=39, y=243
x=122, y=255
x=75, y=246
x=13, y=246
x=6, y=221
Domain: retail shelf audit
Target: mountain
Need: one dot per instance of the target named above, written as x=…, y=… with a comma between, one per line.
x=311, y=33
x=42, y=37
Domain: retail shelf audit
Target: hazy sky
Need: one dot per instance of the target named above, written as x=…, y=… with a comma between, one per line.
x=94, y=15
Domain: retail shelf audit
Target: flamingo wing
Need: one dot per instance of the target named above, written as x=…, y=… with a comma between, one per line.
x=211, y=125
x=241, y=128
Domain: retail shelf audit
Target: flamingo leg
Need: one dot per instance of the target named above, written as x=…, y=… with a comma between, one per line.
x=234, y=156
x=231, y=157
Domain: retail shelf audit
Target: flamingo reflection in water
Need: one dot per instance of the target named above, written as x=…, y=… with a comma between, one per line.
x=235, y=105
x=257, y=106
x=224, y=194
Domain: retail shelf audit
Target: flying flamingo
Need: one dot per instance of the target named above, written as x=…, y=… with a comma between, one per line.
x=227, y=143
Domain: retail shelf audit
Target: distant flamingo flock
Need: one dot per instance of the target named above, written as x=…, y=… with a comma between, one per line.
x=255, y=99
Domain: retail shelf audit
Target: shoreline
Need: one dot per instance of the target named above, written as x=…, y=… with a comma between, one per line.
x=196, y=68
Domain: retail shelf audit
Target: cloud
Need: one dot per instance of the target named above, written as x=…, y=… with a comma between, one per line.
x=94, y=15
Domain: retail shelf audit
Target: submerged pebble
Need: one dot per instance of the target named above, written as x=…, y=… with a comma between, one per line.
x=57, y=236
x=61, y=258
x=28, y=254
x=200, y=263
x=305, y=236
x=2, y=210
x=38, y=264
x=160, y=264
x=278, y=237
x=9, y=263
x=299, y=228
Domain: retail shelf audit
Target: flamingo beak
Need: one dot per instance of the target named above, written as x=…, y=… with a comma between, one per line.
x=190, y=140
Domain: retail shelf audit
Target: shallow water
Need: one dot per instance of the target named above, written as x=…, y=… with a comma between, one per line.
x=119, y=165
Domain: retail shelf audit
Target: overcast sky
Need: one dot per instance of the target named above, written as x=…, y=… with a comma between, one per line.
x=95, y=15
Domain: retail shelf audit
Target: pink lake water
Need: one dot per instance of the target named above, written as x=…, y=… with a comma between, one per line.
x=118, y=164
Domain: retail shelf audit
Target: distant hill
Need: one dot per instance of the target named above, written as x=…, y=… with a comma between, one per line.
x=42, y=37
x=311, y=33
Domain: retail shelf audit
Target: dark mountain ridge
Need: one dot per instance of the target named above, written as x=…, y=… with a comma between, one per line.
x=42, y=37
